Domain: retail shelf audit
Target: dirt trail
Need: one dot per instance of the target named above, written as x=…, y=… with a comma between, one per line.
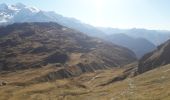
x=129, y=91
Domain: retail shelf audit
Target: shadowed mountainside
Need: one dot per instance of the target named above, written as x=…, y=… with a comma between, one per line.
x=157, y=58
x=139, y=46
x=31, y=45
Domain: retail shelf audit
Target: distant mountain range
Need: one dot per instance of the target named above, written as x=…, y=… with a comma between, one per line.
x=45, y=56
x=155, y=36
x=20, y=13
x=139, y=46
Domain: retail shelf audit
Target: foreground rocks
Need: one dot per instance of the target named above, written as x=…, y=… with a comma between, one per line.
x=3, y=83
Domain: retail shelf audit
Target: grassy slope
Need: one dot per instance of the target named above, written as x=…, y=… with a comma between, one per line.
x=152, y=85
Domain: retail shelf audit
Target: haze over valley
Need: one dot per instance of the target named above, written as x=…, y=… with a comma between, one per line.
x=47, y=55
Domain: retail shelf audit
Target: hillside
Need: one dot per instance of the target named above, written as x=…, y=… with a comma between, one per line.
x=151, y=85
x=156, y=58
x=84, y=50
x=32, y=45
x=139, y=46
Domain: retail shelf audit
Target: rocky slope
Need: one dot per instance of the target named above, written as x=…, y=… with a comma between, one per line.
x=159, y=57
x=32, y=45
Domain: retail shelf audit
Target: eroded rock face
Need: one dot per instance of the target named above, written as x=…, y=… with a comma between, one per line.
x=159, y=57
x=71, y=71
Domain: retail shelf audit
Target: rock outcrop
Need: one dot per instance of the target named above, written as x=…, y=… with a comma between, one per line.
x=159, y=57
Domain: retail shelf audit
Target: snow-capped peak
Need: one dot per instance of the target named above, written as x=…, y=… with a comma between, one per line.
x=22, y=13
x=3, y=6
x=19, y=6
x=33, y=9
x=11, y=7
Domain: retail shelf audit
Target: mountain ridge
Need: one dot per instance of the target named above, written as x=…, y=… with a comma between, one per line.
x=25, y=14
x=59, y=46
x=139, y=46
x=158, y=57
x=157, y=37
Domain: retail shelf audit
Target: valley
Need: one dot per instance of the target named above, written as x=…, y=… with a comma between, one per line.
x=47, y=56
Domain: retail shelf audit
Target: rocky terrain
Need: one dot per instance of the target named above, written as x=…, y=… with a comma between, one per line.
x=34, y=45
x=46, y=56
x=151, y=85
x=41, y=61
x=158, y=57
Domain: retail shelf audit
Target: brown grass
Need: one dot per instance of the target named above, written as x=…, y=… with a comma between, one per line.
x=152, y=85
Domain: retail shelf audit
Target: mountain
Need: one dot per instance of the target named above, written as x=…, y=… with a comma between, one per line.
x=19, y=13
x=158, y=57
x=146, y=86
x=139, y=46
x=111, y=31
x=34, y=45
x=155, y=36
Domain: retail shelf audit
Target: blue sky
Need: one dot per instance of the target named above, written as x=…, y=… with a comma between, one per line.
x=150, y=14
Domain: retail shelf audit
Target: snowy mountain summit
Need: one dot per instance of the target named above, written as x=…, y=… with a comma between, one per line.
x=10, y=13
x=19, y=13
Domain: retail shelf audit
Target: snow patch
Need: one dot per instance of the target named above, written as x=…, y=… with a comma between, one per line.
x=12, y=7
x=33, y=9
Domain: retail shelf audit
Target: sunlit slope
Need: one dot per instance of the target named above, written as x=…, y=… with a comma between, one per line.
x=152, y=85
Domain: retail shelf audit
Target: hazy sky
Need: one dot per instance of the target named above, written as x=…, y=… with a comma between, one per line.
x=150, y=14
